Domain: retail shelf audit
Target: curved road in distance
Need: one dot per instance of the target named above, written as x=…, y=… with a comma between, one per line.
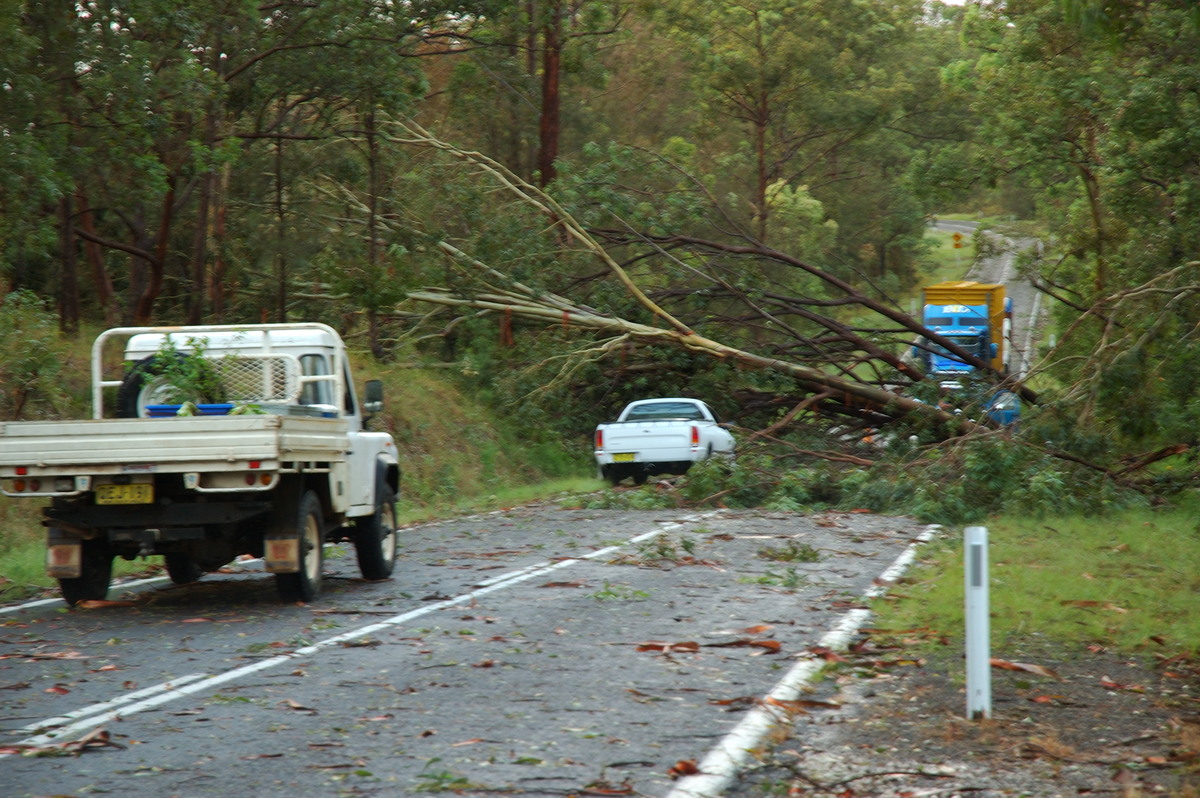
x=1000, y=267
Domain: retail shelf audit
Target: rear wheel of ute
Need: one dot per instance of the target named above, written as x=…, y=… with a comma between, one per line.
x=182, y=569
x=305, y=584
x=95, y=574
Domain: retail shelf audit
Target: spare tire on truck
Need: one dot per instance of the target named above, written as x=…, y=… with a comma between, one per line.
x=146, y=384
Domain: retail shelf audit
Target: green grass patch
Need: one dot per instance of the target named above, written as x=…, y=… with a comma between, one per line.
x=566, y=489
x=1125, y=581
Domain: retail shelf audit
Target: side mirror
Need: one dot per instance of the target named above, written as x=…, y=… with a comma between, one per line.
x=373, y=396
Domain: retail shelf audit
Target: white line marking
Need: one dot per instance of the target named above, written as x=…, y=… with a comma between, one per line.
x=110, y=704
x=736, y=750
x=114, y=586
x=176, y=689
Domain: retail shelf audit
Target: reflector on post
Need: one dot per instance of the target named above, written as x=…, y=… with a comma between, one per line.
x=979, y=656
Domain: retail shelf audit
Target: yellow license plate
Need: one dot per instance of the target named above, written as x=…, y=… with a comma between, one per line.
x=623, y=457
x=140, y=493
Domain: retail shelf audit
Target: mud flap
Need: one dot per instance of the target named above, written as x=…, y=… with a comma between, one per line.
x=281, y=555
x=64, y=560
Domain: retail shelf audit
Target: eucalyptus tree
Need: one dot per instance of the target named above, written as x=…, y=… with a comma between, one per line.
x=517, y=92
x=826, y=97
x=153, y=119
x=1100, y=116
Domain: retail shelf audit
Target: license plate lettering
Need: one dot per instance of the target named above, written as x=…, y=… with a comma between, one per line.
x=137, y=493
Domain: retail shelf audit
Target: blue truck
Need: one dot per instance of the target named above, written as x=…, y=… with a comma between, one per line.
x=976, y=317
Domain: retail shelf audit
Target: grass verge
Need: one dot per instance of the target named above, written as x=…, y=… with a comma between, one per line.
x=1125, y=581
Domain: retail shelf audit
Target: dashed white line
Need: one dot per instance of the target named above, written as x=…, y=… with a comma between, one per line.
x=97, y=714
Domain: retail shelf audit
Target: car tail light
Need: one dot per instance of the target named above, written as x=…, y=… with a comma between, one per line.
x=599, y=439
x=695, y=436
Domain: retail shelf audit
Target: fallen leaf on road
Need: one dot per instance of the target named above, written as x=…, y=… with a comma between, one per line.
x=1040, y=670
x=749, y=630
x=771, y=646
x=296, y=705
x=829, y=655
x=688, y=647
x=94, y=604
x=801, y=703
x=57, y=689
x=1047, y=699
x=684, y=767
x=1109, y=684
x=576, y=583
x=196, y=620
x=97, y=738
x=263, y=756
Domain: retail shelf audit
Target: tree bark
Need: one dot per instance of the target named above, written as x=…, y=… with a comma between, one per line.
x=101, y=282
x=68, y=306
x=144, y=309
x=549, y=123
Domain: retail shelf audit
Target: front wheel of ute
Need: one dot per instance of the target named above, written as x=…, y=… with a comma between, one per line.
x=95, y=574
x=305, y=584
x=375, y=539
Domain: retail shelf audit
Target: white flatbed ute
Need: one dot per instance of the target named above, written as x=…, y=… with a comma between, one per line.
x=659, y=436
x=220, y=441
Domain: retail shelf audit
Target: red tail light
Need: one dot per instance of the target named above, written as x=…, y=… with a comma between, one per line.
x=695, y=436
x=599, y=439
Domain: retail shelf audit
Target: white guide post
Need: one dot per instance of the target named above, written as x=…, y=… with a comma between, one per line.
x=979, y=674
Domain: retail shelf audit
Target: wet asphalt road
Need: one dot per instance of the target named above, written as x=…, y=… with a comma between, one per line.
x=542, y=651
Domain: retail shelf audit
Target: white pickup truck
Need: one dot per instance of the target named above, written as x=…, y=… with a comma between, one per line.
x=659, y=436
x=273, y=462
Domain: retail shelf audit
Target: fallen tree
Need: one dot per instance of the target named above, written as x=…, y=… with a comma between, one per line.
x=832, y=389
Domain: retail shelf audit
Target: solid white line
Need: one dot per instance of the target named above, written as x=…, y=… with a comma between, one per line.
x=171, y=691
x=113, y=586
x=736, y=750
x=42, y=602
x=115, y=702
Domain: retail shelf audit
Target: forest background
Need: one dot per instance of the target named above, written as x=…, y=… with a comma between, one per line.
x=528, y=213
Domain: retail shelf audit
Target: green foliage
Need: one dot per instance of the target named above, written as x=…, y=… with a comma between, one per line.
x=189, y=376
x=611, y=592
x=33, y=357
x=791, y=551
